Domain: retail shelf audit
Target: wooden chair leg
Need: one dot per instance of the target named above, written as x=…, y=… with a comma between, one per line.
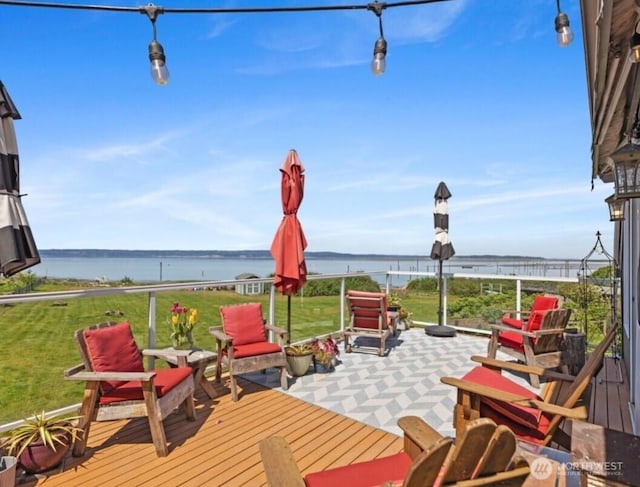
x=154, y=416
x=87, y=411
x=284, y=381
x=234, y=388
x=189, y=408
x=530, y=360
x=493, y=345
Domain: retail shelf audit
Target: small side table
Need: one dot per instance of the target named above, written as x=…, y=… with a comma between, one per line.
x=198, y=360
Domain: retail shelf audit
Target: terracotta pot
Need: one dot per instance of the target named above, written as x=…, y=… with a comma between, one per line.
x=38, y=457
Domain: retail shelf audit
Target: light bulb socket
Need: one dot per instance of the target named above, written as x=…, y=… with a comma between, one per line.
x=380, y=47
x=156, y=52
x=562, y=20
x=634, y=48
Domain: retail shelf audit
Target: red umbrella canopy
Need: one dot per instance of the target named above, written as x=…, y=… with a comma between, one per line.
x=289, y=242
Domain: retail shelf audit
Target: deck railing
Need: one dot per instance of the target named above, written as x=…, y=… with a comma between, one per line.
x=153, y=290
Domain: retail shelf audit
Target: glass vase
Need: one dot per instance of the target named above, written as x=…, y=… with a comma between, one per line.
x=182, y=342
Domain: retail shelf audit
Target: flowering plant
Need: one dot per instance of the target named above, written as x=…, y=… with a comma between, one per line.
x=181, y=321
x=325, y=351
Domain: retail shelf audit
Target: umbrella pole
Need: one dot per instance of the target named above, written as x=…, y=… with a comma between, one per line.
x=288, y=319
x=440, y=314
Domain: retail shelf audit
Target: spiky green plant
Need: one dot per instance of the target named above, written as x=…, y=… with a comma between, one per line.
x=51, y=431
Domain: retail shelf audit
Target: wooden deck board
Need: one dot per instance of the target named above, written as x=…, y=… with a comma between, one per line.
x=221, y=446
x=609, y=404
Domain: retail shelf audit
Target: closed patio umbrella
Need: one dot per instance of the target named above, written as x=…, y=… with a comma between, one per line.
x=17, y=247
x=442, y=249
x=289, y=242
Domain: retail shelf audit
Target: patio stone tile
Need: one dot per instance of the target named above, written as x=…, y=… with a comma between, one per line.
x=378, y=390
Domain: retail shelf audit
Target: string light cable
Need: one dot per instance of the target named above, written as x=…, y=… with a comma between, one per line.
x=160, y=72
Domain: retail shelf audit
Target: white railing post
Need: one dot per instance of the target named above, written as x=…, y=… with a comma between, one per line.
x=342, y=298
x=272, y=311
x=151, y=330
x=518, y=298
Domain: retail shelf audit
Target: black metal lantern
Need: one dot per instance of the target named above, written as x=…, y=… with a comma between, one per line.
x=616, y=208
x=626, y=170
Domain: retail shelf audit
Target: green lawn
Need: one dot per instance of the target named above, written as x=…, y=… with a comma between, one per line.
x=38, y=340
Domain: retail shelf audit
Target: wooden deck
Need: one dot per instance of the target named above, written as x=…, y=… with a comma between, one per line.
x=221, y=446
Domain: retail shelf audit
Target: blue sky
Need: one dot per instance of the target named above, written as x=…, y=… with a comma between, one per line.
x=476, y=93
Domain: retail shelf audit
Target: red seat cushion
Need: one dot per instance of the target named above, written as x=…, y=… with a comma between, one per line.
x=164, y=381
x=243, y=322
x=511, y=340
x=530, y=418
x=512, y=322
x=393, y=468
x=252, y=349
x=113, y=349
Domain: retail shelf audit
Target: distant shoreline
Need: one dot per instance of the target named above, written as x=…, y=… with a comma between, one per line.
x=264, y=254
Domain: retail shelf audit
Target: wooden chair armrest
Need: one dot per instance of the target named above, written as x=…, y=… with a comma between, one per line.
x=160, y=353
x=511, y=329
x=497, y=364
x=523, y=368
x=578, y=412
x=276, y=329
x=279, y=465
x=111, y=376
x=419, y=436
x=217, y=332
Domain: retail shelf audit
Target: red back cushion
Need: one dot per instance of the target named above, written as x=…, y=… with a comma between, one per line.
x=535, y=320
x=368, y=294
x=244, y=323
x=541, y=303
x=113, y=349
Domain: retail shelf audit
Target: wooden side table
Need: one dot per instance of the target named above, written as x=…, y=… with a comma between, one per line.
x=604, y=456
x=197, y=359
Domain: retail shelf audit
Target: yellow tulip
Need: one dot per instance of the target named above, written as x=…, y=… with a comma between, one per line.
x=174, y=319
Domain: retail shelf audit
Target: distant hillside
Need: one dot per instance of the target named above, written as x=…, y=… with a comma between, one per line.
x=251, y=254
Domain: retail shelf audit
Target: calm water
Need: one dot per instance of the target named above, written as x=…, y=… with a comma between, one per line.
x=153, y=269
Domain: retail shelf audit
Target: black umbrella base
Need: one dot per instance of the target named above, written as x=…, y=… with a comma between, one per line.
x=440, y=331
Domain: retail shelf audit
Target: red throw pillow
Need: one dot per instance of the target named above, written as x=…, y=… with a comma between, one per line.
x=243, y=322
x=113, y=349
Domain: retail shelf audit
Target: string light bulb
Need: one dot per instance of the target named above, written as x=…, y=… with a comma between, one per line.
x=379, y=62
x=565, y=34
x=159, y=70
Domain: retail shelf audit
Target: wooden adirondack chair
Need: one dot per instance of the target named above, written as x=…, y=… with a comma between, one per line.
x=368, y=317
x=484, y=454
x=485, y=392
x=540, y=347
x=117, y=386
x=242, y=342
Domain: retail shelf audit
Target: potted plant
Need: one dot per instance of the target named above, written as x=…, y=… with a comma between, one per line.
x=299, y=358
x=404, y=317
x=41, y=443
x=325, y=352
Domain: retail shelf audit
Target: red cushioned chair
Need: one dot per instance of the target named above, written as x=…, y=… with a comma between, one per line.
x=483, y=454
x=368, y=317
x=242, y=343
x=539, y=343
x=540, y=303
x=485, y=392
x=118, y=387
